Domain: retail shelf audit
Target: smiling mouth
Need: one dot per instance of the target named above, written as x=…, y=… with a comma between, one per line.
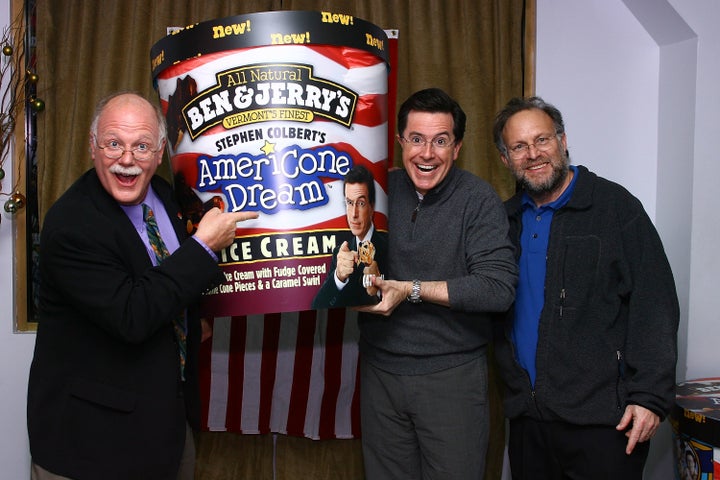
x=426, y=168
x=125, y=179
x=537, y=167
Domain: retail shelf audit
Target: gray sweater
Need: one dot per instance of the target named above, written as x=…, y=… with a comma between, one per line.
x=458, y=233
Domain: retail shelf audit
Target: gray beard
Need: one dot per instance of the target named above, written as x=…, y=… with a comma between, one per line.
x=553, y=183
x=550, y=186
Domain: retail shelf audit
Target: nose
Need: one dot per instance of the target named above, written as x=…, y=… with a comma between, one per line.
x=532, y=150
x=427, y=150
x=126, y=157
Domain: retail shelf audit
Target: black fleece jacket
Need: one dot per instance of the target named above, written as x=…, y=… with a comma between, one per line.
x=608, y=330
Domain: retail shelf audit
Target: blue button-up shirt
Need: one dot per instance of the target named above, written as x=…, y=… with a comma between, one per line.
x=530, y=293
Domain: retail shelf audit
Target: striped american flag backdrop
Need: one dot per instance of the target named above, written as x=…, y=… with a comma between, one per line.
x=292, y=373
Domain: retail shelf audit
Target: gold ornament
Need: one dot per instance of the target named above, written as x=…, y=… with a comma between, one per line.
x=11, y=207
x=37, y=105
x=19, y=199
x=7, y=50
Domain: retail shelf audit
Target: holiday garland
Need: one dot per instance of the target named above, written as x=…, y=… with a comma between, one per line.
x=17, y=96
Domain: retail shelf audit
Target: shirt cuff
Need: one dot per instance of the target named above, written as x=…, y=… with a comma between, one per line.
x=338, y=283
x=207, y=249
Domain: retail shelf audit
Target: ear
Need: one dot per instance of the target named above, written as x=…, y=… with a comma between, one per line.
x=161, y=152
x=456, y=150
x=91, y=145
x=505, y=160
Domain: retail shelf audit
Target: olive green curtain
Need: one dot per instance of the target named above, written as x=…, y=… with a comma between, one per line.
x=471, y=48
x=474, y=49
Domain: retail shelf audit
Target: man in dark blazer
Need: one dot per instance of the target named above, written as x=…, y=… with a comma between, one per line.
x=107, y=397
x=362, y=254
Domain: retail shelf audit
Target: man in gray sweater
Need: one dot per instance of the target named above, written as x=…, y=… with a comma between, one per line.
x=451, y=269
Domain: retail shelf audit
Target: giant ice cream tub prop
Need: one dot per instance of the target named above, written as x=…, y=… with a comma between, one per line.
x=268, y=112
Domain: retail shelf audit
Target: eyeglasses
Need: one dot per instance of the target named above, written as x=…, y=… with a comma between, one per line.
x=113, y=150
x=352, y=203
x=542, y=143
x=416, y=142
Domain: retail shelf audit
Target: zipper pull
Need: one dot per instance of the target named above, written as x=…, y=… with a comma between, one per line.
x=562, y=301
x=415, y=212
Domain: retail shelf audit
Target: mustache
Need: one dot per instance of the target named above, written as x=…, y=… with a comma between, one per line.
x=127, y=171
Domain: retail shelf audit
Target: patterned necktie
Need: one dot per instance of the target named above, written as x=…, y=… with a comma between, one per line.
x=161, y=252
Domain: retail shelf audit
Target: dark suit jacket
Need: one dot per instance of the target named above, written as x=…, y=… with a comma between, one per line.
x=353, y=293
x=105, y=398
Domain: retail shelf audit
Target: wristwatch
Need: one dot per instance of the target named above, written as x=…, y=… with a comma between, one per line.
x=414, y=296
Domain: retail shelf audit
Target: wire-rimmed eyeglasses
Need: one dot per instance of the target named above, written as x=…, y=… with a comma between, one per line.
x=416, y=141
x=542, y=143
x=113, y=150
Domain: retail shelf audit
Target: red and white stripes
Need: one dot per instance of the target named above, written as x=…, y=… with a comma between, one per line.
x=292, y=373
